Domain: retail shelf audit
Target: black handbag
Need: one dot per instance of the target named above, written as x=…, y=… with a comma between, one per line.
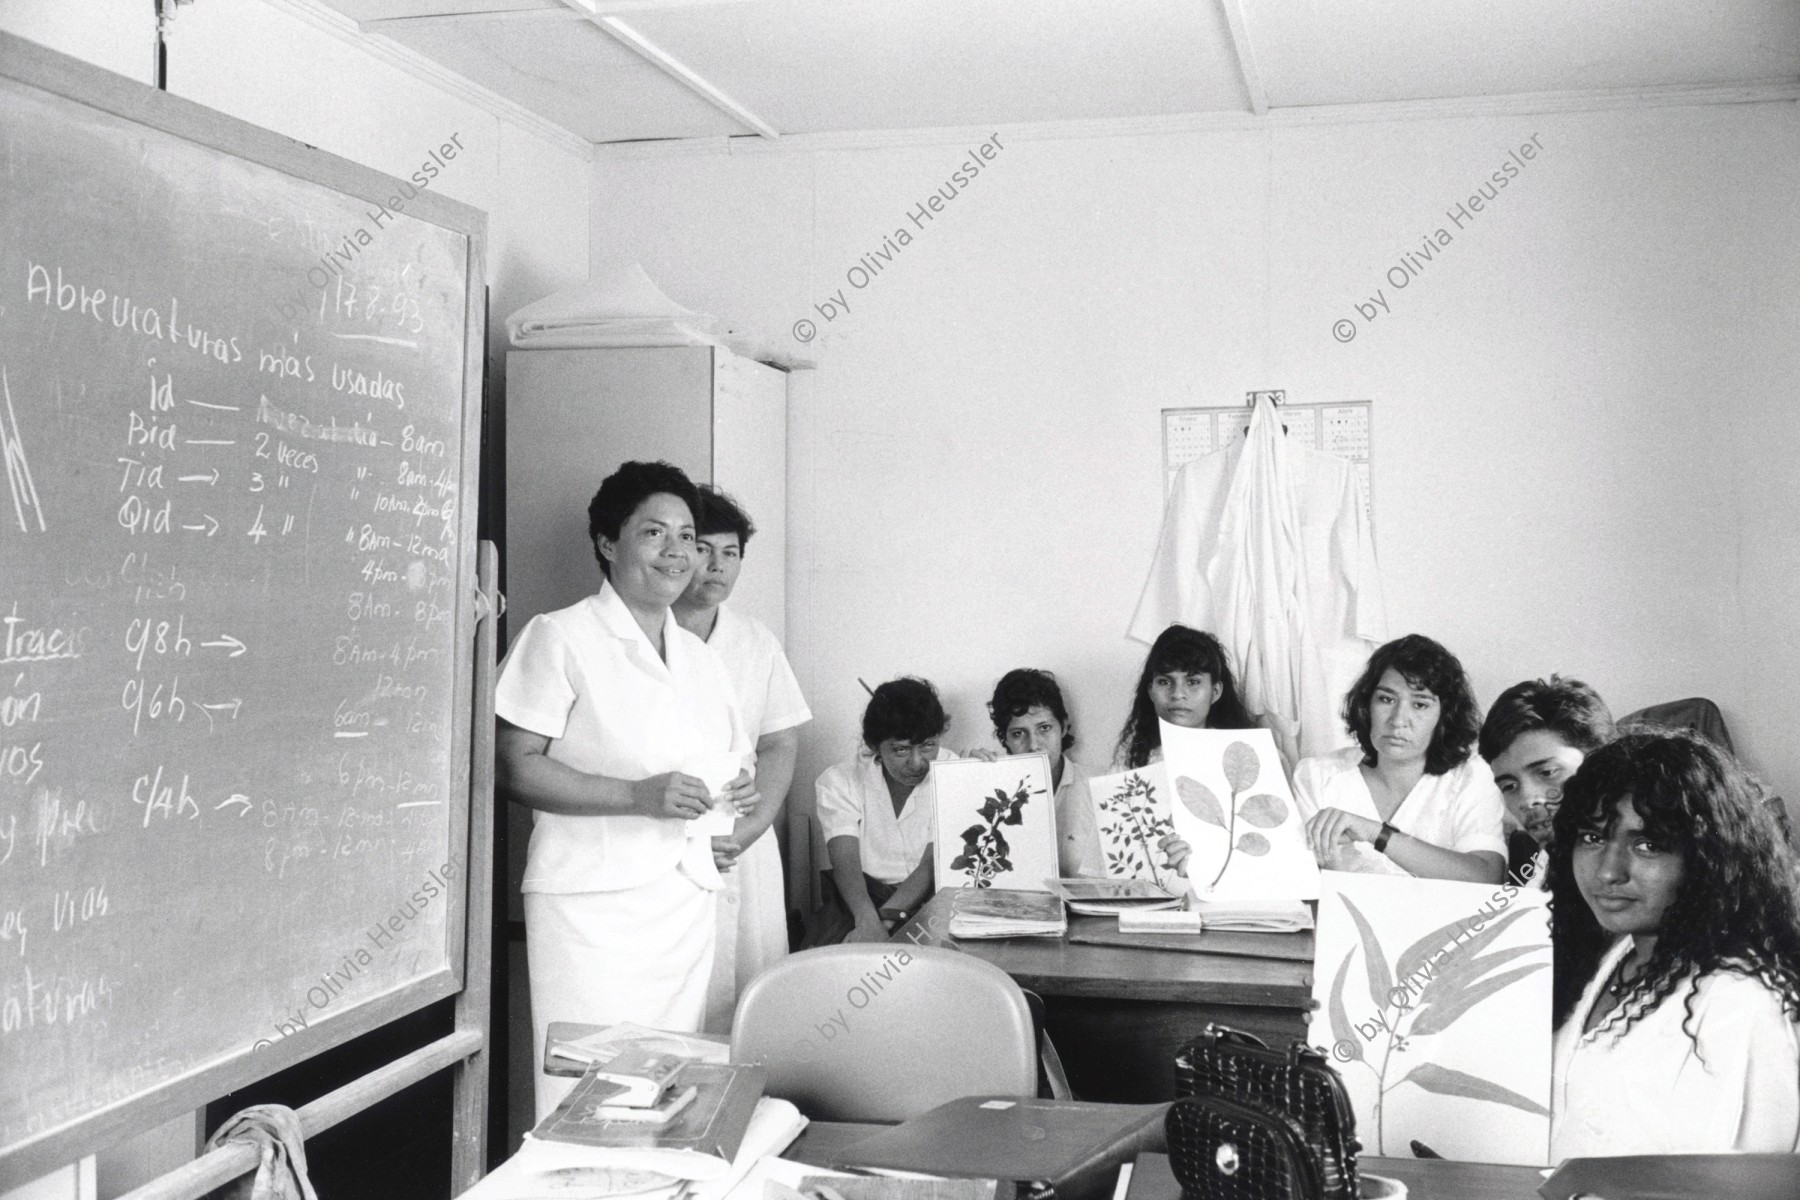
x=1222, y=1150
x=1285, y=1105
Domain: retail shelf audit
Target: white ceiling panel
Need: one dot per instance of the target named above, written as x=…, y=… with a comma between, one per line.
x=564, y=68
x=810, y=66
x=1362, y=51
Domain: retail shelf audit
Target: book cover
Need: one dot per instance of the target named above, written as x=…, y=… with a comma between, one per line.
x=640, y=1073
x=1074, y=1147
x=712, y=1124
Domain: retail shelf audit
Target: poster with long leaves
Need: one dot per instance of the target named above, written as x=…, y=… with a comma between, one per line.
x=1433, y=1000
x=1235, y=809
x=996, y=823
x=1131, y=810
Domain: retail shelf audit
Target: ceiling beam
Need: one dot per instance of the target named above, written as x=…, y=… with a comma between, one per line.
x=389, y=24
x=596, y=11
x=1246, y=57
x=1769, y=91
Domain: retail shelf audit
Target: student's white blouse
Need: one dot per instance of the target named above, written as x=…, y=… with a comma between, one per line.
x=854, y=802
x=588, y=679
x=767, y=692
x=1655, y=1091
x=1459, y=810
x=1077, y=825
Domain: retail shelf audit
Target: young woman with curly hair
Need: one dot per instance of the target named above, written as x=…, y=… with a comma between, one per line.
x=1186, y=681
x=1677, y=958
x=1411, y=796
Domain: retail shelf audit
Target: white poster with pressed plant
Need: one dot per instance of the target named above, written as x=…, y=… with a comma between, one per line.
x=1235, y=809
x=1131, y=809
x=996, y=823
x=1433, y=1000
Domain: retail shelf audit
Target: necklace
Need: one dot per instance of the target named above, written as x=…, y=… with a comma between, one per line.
x=1619, y=984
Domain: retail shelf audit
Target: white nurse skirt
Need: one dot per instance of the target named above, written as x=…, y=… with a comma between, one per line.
x=644, y=955
x=753, y=933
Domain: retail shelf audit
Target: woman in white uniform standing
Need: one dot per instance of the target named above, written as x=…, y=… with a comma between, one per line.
x=753, y=931
x=609, y=714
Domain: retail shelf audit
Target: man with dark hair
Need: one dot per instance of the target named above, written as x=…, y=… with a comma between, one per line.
x=1535, y=736
x=752, y=931
x=878, y=812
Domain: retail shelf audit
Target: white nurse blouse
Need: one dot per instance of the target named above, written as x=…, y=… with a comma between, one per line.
x=1734, y=1085
x=588, y=679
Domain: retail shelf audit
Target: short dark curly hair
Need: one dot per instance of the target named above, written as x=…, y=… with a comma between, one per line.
x=719, y=513
x=906, y=709
x=1735, y=908
x=621, y=492
x=1569, y=708
x=1019, y=691
x=1424, y=664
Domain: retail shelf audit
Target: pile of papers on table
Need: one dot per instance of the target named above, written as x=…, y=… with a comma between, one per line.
x=647, y=1122
x=1111, y=897
x=1254, y=916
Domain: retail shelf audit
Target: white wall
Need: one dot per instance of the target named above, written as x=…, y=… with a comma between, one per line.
x=1584, y=421
x=262, y=64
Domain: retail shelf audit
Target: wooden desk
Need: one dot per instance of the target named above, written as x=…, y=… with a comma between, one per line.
x=1118, y=1015
x=1425, y=1178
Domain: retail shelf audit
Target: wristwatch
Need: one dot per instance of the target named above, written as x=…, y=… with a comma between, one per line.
x=1381, y=839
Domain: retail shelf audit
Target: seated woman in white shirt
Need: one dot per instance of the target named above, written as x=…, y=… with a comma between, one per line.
x=1534, y=738
x=1186, y=681
x=878, y=812
x=1411, y=796
x=1677, y=969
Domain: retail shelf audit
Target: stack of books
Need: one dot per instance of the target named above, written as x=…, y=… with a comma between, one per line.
x=1004, y=912
x=647, y=1101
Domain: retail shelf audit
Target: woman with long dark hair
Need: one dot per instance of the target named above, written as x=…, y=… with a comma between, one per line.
x=1186, y=681
x=1677, y=944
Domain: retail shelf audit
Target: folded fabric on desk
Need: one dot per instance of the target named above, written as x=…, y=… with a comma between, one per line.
x=622, y=309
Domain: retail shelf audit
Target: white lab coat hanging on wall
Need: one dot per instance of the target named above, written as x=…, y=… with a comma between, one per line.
x=1266, y=544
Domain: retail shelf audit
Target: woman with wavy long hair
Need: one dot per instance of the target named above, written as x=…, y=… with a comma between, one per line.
x=1186, y=681
x=1677, y=944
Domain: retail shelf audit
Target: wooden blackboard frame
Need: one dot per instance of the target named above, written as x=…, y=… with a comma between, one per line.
x=470, y=763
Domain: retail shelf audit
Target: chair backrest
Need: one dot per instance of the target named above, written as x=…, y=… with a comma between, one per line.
x=885, y=1031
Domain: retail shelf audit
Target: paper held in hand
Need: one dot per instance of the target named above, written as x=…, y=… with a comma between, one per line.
x=1235, y=809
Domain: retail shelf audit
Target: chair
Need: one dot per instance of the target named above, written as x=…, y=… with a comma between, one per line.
x=1701, y=716
x=885, y=1031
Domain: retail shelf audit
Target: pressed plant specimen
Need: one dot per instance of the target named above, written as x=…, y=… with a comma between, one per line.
x=1133, y=828
x=1263, y=810
x=985, y=852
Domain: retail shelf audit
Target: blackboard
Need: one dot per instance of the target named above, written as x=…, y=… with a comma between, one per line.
x=238, y=418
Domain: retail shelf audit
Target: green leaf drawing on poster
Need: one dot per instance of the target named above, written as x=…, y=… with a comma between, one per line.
x=1437, y=980
x=1198, y=799
x=1447, y=1081
x=1264, y=811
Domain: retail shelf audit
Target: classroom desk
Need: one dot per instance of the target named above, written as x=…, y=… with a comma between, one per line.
x=1119, y=1015
x=1425, y=1178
